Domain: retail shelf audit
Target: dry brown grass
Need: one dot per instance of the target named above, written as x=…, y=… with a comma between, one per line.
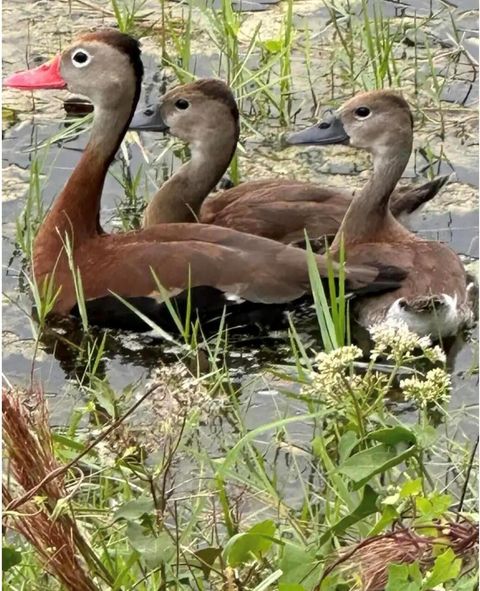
x=29, y=460
x=371, y=558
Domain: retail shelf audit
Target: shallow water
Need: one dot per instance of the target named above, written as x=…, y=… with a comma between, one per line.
x=130, y=358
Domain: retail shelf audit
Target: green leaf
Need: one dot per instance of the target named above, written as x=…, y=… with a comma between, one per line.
x=426, y=435
x=446, y=567
x=393, y=435
x=411, y=488
x=257, y=541
x=404, y=577
x=154, y=550
x=273, y=45
x=433, y=506
x=10, y=558
x=267, y=583
x=467, y=584
x=8, y=115
x=300, y=566
x=207, y=557
x=105, y=397
x=68, y=442
x=290, y=587
x=365, y=464
x=346, y=444
x=389, y=515
x=367, y=506
x=133, y=510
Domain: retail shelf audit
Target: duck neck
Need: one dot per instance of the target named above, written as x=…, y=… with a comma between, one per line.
x=76, y=210
x=368, y=218
x=180, y=198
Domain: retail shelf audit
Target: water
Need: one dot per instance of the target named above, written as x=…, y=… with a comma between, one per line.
x=130, y=358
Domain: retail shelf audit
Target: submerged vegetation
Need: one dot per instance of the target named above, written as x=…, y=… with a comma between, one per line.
x=318, y=466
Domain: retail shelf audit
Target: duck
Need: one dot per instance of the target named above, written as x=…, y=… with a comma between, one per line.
x=204, y=114
x=436, y=298
x=147, y=267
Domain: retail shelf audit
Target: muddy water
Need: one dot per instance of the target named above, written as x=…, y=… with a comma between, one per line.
x=129, y=359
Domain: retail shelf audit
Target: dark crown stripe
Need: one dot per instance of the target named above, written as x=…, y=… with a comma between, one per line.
x=216, y=89
x=123, y=43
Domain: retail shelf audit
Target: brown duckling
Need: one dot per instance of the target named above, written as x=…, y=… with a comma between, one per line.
x=205, y=115
x=436, y=297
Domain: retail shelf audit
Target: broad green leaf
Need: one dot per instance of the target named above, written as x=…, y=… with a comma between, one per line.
x=367, y=506
x=433, y=506
x=411, y=488
x=291, y=587
x=426, y=435
x=154, y=550
x=10, y=558
x=389, y=515
x=404, y=577
x=391, y=499
x=257, y=541
x=133, y=510
x=333, y=582
x=346, y=444
x=365, y=464
x=393, y=435
x=300, y=566
x=446, y=568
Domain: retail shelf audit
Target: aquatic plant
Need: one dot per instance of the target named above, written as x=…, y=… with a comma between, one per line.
x=229, y=520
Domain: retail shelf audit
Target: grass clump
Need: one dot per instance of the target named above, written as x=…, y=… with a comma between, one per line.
x=169, y=499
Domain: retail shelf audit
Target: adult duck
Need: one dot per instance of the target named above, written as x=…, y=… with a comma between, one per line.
x=435, y=298
x=204, y=114
x=106, y=67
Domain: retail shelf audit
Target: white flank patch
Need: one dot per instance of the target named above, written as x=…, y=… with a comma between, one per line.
x=443, y=322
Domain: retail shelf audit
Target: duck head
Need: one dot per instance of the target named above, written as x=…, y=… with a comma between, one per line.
x=102, y=66
x=373, y=121
x=192, y=112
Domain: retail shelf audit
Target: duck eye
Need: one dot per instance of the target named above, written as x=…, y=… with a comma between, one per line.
x=182, y=104
x=362, y=112
x=148, y=112
x=323, y=125
x=81, y=58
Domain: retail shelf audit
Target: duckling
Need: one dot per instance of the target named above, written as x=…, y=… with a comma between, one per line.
x=436, y=298
x=163, y=261
x=204, y=114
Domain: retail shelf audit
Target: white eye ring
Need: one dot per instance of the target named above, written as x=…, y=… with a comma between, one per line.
x=362, y=113
x=81, y=52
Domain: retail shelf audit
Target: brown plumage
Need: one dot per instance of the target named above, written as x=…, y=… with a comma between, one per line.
x=283, y=209
x=105, y=67
x=280, y=209
x=434, y=298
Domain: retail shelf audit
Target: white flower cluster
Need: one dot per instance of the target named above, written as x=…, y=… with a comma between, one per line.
x=334, y=378
x=395, y=342
x=435, y=387
x=330, y=378
x=178, y=396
